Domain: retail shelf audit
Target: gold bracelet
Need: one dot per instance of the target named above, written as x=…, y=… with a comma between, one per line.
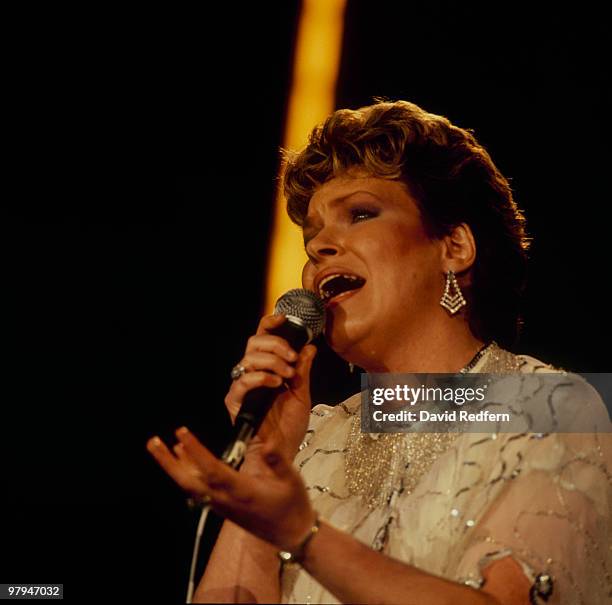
x=297, y=556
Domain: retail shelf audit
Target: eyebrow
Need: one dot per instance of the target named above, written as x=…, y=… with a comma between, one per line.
x=308, y=226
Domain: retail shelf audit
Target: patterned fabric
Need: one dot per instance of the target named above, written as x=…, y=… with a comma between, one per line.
x=452, y=505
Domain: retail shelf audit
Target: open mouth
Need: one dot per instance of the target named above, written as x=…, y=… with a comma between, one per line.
x=334, y=285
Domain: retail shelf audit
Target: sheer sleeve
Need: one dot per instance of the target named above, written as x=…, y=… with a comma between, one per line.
x=456, y=505
x=552, y=515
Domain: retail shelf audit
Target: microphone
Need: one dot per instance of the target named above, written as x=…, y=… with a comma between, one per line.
x=305, y=316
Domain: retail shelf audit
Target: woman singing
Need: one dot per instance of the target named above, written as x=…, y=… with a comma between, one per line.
x=398, y=207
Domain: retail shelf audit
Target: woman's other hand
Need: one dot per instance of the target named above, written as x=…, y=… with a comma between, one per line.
x=270, y=502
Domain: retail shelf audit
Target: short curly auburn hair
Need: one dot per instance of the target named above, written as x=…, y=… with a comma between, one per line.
x=453, y=180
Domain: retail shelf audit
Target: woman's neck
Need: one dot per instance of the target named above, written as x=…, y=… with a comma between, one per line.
x=441, y=350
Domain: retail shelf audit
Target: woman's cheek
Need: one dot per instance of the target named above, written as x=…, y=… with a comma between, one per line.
x=308, y=273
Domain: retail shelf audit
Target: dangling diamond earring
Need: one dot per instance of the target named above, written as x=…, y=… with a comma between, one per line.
x=452, y=302
x=351, y=367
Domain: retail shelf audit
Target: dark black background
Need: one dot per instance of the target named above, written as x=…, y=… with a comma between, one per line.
x=141, y=153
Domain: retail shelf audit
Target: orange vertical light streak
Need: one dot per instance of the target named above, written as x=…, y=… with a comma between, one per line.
x=311, y=100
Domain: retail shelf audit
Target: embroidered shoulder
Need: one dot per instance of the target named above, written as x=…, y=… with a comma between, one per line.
x=529, y=365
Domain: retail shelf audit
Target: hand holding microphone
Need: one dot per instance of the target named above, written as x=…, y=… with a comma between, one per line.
x=269, y=402
x=272, y=390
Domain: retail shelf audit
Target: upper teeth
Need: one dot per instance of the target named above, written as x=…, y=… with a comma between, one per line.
x=322, y=293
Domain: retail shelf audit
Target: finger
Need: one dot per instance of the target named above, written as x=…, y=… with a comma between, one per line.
x=269, y=362
x=247, y=382
x=269, y=322
x=162, y=455
x=309, y=352
x=224, y=484
x=183, y=456
x=271, y=344
x=215, y=473
x=252, y=380
x=301, y=380
x=224, y=496
x=187, y=478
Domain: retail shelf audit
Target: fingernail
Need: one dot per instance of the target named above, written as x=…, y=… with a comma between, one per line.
x=292, y=355
x=155, y=442
x=182, y=431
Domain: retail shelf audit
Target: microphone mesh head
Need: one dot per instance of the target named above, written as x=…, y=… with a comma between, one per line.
x=304, y=305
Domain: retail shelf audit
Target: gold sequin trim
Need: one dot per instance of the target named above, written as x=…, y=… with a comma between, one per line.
x=376, y=465
x=374, y=468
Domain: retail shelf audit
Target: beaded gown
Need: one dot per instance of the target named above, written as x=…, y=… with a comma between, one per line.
x=450, y=504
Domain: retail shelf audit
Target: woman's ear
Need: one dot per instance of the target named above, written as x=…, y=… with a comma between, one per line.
x=459, y=249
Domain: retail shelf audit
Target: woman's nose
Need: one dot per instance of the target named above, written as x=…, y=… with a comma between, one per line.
x=324, y=244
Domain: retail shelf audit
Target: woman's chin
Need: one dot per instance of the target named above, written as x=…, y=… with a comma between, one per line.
x=343, y=339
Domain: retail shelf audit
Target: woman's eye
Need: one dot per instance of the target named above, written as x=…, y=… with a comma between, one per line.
x=362, y=214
